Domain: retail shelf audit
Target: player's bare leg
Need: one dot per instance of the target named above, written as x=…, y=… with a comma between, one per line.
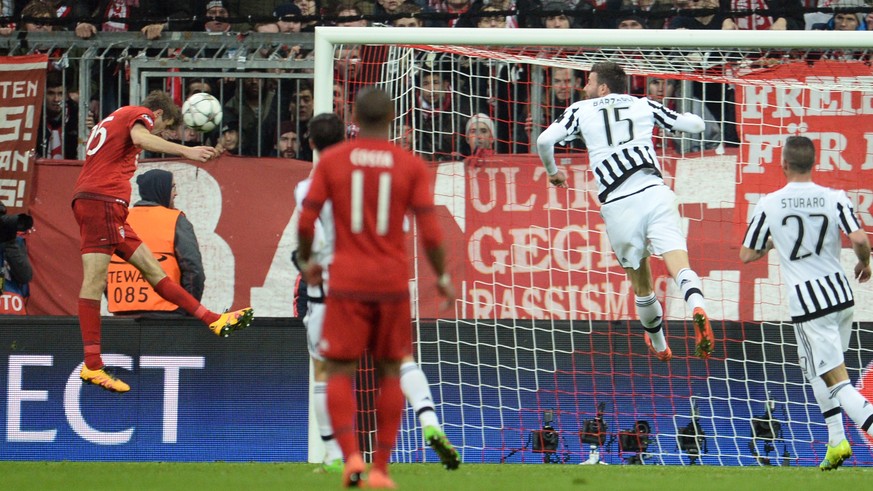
x=690, y=286
x=649, y=310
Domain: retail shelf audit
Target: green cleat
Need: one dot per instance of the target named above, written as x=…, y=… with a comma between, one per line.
x=836, y=456
x=333, y=467
x=443, y=447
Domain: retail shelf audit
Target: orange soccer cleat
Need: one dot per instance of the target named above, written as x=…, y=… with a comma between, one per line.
x=104, y=378
x=353, y=473
x=665, y=355
x=230, y=322
x=704, y=339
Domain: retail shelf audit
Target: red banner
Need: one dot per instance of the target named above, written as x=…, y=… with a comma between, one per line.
x=22, y=84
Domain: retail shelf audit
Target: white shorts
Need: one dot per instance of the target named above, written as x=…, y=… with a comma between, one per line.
x=643, y=224
x=314, y=322
x=821, y=342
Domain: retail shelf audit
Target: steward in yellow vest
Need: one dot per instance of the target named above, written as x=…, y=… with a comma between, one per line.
x=170, y=236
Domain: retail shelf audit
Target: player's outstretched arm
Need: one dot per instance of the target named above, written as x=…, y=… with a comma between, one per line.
x=861, y=246
x=144, y=139
x=546, y=149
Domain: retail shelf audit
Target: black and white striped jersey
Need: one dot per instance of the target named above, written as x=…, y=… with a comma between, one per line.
x=617, y=129
x=804, y=220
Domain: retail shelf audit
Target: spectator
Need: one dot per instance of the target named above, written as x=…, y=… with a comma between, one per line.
x=485, y=18
x=217, y=17
x=651, y=14
x=411, y=19
x=844, y=22
x=304, y=110
x=479, y=138
x=288, y=17
x=554, y=15
x=785, y=14
x=60, y=127
x=352, y=16
x=386, y=8
x=564, y=88
x=630, y=22
x=16, y=272
x=308, y=8
x=665, y=91
x=716, y=20
x=228, y=139
x=116, y=14
x=434, y=115
x=254, y=108
x=171, y=238
x=289, y=144
x=562, y=14
x=455, y=7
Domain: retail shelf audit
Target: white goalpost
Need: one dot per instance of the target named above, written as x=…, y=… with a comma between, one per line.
x=543, y=359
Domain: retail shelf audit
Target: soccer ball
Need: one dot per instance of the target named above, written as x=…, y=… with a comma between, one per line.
x=202, y=112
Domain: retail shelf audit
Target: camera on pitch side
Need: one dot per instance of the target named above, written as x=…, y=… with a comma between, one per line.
x=546, y=439
x=10, y=225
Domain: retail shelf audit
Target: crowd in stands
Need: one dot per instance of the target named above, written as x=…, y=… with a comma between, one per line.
x=263, y=116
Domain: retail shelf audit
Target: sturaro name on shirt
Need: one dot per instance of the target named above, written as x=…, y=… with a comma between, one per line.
x=803, y=202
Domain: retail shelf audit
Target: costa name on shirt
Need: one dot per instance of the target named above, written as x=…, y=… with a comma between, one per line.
x=371, y=158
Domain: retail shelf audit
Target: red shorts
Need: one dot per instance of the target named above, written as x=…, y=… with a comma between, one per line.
x=350, y=326
x=103, y=228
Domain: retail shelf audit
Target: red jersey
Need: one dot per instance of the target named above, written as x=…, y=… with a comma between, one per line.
x=371, y=184
x=110, y=157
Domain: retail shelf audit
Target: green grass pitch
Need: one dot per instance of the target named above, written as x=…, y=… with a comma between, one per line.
x=215, y=476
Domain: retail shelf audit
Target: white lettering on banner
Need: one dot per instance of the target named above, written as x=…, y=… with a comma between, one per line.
x=10, y=119
x=532, y=251
x=11, y=303
x=863, y=199
x=16, y=394
x=171, y=366
x=831, y=146
x=18, y=89
x=868, y=160
x=14, y=161
x=599, y=301
x=12, y=191
x=790, y=101
x=73, y=408
x=581, y=189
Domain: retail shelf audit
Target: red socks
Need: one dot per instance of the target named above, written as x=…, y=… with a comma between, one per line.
x=389, y=412
x=172, y=291
x=89, y=325
x=342, y=406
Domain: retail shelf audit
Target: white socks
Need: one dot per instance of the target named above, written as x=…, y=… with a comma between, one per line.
x=858, y=408
x=692, y=289
x=830, y=409
x=322, y=418
x=414, y=385
x=651, y=315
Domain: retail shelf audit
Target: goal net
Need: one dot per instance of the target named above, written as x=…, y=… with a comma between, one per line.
x=542, y=358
